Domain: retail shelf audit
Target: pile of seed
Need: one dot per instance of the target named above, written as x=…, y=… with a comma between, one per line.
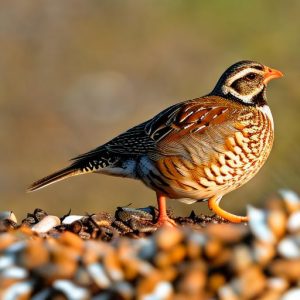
x=218, y=261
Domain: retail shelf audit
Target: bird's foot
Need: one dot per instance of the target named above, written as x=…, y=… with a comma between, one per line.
x=165, y=221
x=213, y=204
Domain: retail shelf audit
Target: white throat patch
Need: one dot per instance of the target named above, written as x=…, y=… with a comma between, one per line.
x=266, y=110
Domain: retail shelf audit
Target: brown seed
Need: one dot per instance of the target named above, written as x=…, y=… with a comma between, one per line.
x=277, y=221
x=270, y=295
x=76, y=226
x=177, y=254
x=35, y=254
x=63, y=261
x=146, y=285
x=168, y=237
x=242, y=258
x=170, y=273
x=251, y=283
x=289, y=269
x=71, y=240
x=82, y=277
x=162, y=259
x=94, y=251
x=216, y=281
x=263, y=252
x=133, y=267
x=227, y=232
x=193, y=280
x=213, y=248
x=6, y=239
x=193, y=250
x=112, y=265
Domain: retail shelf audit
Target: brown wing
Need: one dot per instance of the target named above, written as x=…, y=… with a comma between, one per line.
x=169, y=131
x=204, y=122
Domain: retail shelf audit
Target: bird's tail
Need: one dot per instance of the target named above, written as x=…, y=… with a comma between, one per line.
x=57, y=176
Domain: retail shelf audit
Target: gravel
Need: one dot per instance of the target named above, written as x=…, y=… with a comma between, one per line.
x=125, y=256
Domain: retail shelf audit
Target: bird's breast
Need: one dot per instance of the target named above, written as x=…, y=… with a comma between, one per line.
x=221, y=166
x=244, y=153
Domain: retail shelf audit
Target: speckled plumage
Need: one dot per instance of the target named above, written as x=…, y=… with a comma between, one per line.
x=196, y=149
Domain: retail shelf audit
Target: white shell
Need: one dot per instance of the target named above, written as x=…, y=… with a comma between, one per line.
x=72, y=218
x=14, y=273
x=163, y=290
x=125, y=289
x=294, y=222
x=292, y=294
x=98, y=274
x=8, y=215
x=258, y=225
x=289, y=196
x=16, y=247
x=289, y=248
x=277, y=283
x=17, y=290
x=71, y=290
x=6, y=261
x=227, y=292
x=46, y=224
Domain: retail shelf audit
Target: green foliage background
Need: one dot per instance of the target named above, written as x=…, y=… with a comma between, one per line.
x=75, y=73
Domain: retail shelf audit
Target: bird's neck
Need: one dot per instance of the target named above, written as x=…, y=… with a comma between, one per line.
x=261, y=98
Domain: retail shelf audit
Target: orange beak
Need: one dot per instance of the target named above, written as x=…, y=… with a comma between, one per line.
x=271, y=74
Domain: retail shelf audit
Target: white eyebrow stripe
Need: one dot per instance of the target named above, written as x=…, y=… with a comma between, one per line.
x=242, y=74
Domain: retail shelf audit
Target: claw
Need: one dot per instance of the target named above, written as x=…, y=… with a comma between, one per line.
x=165, y=221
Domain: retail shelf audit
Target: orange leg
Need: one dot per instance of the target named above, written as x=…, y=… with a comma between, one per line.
x=213, y=204
x=163, y=219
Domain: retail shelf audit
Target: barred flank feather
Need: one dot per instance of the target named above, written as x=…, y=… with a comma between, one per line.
x=57, y=176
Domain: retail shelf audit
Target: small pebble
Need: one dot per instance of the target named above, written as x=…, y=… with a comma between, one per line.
x=46, y=224
x=8, y=215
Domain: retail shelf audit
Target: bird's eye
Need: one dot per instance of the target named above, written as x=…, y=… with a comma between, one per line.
x=251, y=76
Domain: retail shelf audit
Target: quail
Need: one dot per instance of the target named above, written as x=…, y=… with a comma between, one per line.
x=196, y=150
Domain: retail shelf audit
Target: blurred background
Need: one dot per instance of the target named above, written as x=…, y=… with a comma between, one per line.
x=74, y=74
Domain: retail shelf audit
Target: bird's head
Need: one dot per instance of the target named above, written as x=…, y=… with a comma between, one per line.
x=246, y=82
